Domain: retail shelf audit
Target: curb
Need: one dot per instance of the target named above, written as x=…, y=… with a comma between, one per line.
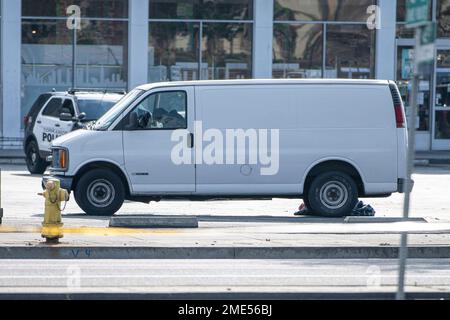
x=86, y=253
x=227, y=296
x=142, y=221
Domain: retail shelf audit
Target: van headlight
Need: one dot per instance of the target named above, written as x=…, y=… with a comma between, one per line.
x=60, y=159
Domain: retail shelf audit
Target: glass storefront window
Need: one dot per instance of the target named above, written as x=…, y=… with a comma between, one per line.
x=297, y=51
x=173, y=51
x=89, y=9
x=442, y=130
x=402, y=31
x=443, y=79
x=227, y=51
x=101, y=48
x=350, y=52
x=202, y=9
x=319, y=10
x=405, y=56
x=442, y=99
x=46, y=59
x=443, y=18
x=102, y=54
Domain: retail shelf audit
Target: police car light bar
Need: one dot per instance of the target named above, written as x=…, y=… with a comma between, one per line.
x=73, y=91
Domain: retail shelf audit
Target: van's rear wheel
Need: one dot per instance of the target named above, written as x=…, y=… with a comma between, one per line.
x=100, y=192
x=333, y=194
x=35, y=164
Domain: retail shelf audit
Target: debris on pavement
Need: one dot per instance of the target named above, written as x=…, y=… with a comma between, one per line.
x=360, y=210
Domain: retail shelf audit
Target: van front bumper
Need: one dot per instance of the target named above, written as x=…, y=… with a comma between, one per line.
x=66, y=182
x=401, y=185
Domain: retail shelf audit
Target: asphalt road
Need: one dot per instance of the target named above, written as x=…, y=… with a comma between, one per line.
x=429, y=199
x=275, y=278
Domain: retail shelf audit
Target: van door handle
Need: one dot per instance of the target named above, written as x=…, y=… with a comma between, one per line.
x=191, y=140
x=39, y=121
x=57, y=125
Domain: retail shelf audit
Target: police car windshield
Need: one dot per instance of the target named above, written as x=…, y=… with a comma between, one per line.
x=95, y=108
x=109, y=117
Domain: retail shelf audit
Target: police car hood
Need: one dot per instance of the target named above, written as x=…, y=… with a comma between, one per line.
x=74, y=136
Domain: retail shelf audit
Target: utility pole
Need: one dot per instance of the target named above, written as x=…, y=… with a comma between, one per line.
x=425, y=34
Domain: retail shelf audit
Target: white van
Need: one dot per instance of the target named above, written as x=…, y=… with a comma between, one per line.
x=327, y=141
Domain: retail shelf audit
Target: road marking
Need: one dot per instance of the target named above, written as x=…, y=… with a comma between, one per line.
x=106, y=231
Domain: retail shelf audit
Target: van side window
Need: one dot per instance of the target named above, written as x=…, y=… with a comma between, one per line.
x=162, y=110
x=53, y=108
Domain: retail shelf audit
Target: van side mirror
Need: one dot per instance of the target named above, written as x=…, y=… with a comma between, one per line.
x=65, y=117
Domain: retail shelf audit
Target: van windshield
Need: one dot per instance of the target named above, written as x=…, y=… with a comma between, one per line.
x=109, y=117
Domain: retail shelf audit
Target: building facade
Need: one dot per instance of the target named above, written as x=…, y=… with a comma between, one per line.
x=125, y=43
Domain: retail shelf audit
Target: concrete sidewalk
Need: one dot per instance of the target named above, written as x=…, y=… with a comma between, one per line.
x=299, y=239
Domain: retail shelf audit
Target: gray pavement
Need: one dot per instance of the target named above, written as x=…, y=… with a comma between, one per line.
x=221, y=278
x=233, y=224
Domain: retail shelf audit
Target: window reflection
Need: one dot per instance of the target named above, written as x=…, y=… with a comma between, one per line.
x=350, y=52
x=405, y=56
x=443, y=79
x=47, y=47
x=443, y=18
x=46, y=59
x=442, y=125
x=227, y=49
x=320, y=10
x=173, y=52
x=297, y=51
x=202, y=9
x=89, y=8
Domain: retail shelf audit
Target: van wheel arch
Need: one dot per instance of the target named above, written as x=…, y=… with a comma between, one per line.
x=334, y=165
x=102, y=165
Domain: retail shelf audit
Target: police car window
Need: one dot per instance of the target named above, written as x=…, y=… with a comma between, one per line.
x=53, y=108
x=95, y=109
x=68, y=107
x=164, y=110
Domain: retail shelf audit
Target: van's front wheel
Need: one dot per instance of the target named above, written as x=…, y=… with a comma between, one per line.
x=333, y=194
x=100, y=192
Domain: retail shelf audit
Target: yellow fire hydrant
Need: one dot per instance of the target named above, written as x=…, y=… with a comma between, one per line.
x=52, y=225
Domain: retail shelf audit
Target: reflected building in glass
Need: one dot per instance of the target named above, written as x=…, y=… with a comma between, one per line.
x=124, y=43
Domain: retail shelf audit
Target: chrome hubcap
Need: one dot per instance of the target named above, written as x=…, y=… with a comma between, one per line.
x=333, y=195
x=33, y=157
x=101, y=193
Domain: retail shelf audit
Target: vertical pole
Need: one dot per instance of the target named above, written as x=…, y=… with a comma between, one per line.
x=403, y=254
x=139, y=59
x=200, y=53
x=324, y=49
x=74, y=58
x=10, y=59
x=262, y=48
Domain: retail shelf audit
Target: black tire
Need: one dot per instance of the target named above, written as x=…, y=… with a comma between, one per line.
x=333, y=194
x=100, y=192
x=35, y=164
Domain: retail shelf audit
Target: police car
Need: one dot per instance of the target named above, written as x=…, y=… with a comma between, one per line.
x=56, y=113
